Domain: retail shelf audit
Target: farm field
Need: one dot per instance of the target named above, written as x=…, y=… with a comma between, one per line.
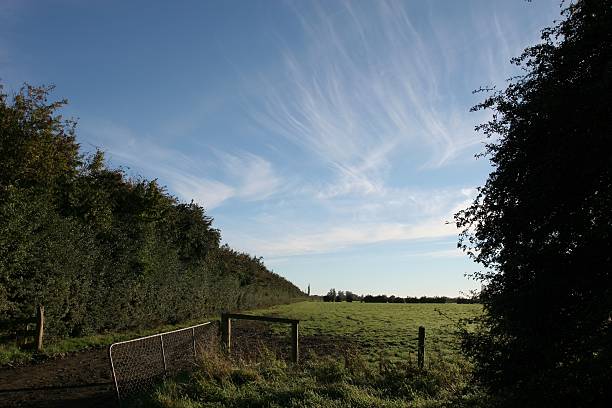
x=336, y=339
x=353, y=354
x=387, y=330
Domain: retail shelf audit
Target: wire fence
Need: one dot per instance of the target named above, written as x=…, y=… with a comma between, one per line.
x=138, y=364
x=250, y=338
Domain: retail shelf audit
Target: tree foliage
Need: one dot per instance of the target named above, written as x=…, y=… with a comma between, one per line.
x=542, y=224
x=100, y=250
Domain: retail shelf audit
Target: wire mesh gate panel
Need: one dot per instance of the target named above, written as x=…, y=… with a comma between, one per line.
x=140, y=363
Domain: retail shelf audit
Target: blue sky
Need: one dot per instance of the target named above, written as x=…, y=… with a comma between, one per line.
x=332, y=138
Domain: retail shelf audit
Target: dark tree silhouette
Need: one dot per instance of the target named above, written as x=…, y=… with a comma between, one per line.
x=542, y=224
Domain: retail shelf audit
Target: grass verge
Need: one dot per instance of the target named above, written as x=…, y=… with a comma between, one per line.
x=12, y=355
x=348, y=381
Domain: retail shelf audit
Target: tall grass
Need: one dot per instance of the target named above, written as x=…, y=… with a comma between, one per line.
x=346, y=381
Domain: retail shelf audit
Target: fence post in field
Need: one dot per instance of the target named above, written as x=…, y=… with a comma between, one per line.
x=40, y=327
x=193, y=343
x=226, y=332
x=295, y=351
x=421, y=349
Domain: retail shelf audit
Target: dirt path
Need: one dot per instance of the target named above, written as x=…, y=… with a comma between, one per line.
x=80, y=379
x=84, y=379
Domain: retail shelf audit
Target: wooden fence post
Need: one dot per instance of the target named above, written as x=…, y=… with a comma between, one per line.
x=295, y=343
x=193, y=343
x=40, y=327
x=421, y=349
x=163, y=353
x=226, y=332
x=225, y=326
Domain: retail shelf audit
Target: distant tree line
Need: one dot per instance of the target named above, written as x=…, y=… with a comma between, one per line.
x=348, y=296
x=340, y=296
x=103, y=251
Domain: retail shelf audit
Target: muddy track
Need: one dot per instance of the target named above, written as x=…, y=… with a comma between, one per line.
x=81, y=379
x=84, y=379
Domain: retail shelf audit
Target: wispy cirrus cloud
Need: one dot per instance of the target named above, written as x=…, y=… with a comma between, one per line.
x=341, y=237
x=401, y=216
x=240, y=175
x=367, y=89
x=363, y=91
x=254, y=175
x=332, y=137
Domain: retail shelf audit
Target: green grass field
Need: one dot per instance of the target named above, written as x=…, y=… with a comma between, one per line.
x=383, y=334
x=386, y=330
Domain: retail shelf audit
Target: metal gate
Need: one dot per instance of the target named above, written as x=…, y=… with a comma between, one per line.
x=139, y=364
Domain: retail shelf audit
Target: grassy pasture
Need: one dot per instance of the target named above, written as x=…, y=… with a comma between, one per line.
x=383, y=334
x=387, y=330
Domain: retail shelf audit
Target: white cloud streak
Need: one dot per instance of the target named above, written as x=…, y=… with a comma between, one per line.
x=255, y=176
x=366, y=88
x=341, y=237
x=408, y=216
x=245, y=176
